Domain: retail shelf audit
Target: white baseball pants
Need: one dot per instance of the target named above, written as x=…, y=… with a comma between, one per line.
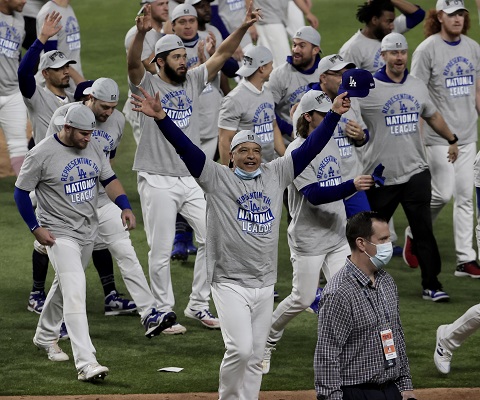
x=306, y=274
x=454, y=180
x=162, y=197
x=66, y=299
x=454, y=334
x=245, y=316
x=275, y=38
x=113, y=235
x=13, y=121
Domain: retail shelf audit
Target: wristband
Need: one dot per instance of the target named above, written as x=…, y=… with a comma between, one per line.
x=122, y=202
x=455, y=139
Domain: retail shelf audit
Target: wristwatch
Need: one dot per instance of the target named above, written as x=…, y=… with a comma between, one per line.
x=455, y=139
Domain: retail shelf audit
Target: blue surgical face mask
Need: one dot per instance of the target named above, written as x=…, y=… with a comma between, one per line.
x=242, y=174
x=383, y=256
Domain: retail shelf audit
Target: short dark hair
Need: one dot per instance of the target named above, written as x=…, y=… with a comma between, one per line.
x=374, y=8
x=360, y=225
x=163, y=55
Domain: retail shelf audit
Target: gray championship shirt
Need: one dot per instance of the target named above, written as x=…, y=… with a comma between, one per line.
x=243, y=221
x=365, y=52
x=12, y=32
x=245, y=107
x=273, y=12
x=107, y=134
x=41, y=106
x=288, y=85
x=155, y=155
x=66, y=181
x=68, y=38
x=452, y=74
x=391, y=113
x=316, y=230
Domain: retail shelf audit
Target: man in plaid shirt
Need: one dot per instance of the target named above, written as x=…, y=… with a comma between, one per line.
x=360, y=352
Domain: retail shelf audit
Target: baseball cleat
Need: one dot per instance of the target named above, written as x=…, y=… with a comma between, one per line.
x=54, y=352
x=63, y=332
x=442, y=357
x=267, y=357
x=315, y=306
x=408, y=256
x=437, y=296
x=204, y=316
x=116, y=305
x=92, y=372
x=471, y=269
x=175, y=329
x=191, y=248
x=157, y=322
x=36, y=301
x=180, y=250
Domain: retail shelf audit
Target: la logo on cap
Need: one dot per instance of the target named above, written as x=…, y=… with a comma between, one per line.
x=453, y=2
x=352, y=82
x=335, y=57
x=113, y=97
x=247, y=59
x=186, y=11
x=250, y=137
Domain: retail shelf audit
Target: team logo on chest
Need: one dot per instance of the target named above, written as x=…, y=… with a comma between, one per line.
x=263, y=122
x=402, y=112
x=343, y=141
x=80, y=176
x=329, y=172
x=10, y=40
x=254, y=213
x=235, y=5
x=73, y=34
x=459, y=77
x=178, y=107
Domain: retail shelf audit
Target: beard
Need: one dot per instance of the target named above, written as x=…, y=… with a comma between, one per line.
x=173, y=75
x=302, y=63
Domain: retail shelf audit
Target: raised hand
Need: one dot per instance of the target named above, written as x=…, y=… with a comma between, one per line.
x=144, y=22
x=51, y=26
x=253, y=15
x=341, y=104
x=148, y=105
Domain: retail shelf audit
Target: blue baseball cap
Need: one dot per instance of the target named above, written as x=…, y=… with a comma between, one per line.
x=357, y=82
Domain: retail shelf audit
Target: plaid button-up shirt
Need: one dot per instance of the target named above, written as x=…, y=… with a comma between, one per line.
x=349, y=350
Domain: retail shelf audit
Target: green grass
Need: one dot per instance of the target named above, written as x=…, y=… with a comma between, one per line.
x=133, y=359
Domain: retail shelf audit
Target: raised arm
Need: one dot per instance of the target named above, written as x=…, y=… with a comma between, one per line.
x=135, y=67
x=192, y=156
x=230, y=44
x=28, y=65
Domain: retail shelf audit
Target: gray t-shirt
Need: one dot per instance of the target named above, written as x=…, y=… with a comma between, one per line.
x=232, y=13
x=243, y=221
x=12, y=32
x=316, y=230
x=41, y=107
x=107, y=134
x=245, y=107
x=273, y=12
x=365, y=52
x=155, y=154
x=451, y=73
x=151, y=38
x=391, y=113
x=351, y=163
x=32, y=8
x=68, y=38
x=288, y=85
x=65, y=180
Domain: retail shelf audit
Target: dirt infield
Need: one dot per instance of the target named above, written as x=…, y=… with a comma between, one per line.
x=422, y=394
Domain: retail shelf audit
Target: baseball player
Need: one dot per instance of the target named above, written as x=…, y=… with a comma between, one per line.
x=161, y=174
x=243, y=220
x=449, y=63
x=67, y=39
x=103, y=98
x=159, y=15
x=42, y=103
x=316, y=234
x=272, y=32
x=289, y=81
x=392, y=113
x=378, y=17
x=65, y=170
x=13, y=114
x=250, y=106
